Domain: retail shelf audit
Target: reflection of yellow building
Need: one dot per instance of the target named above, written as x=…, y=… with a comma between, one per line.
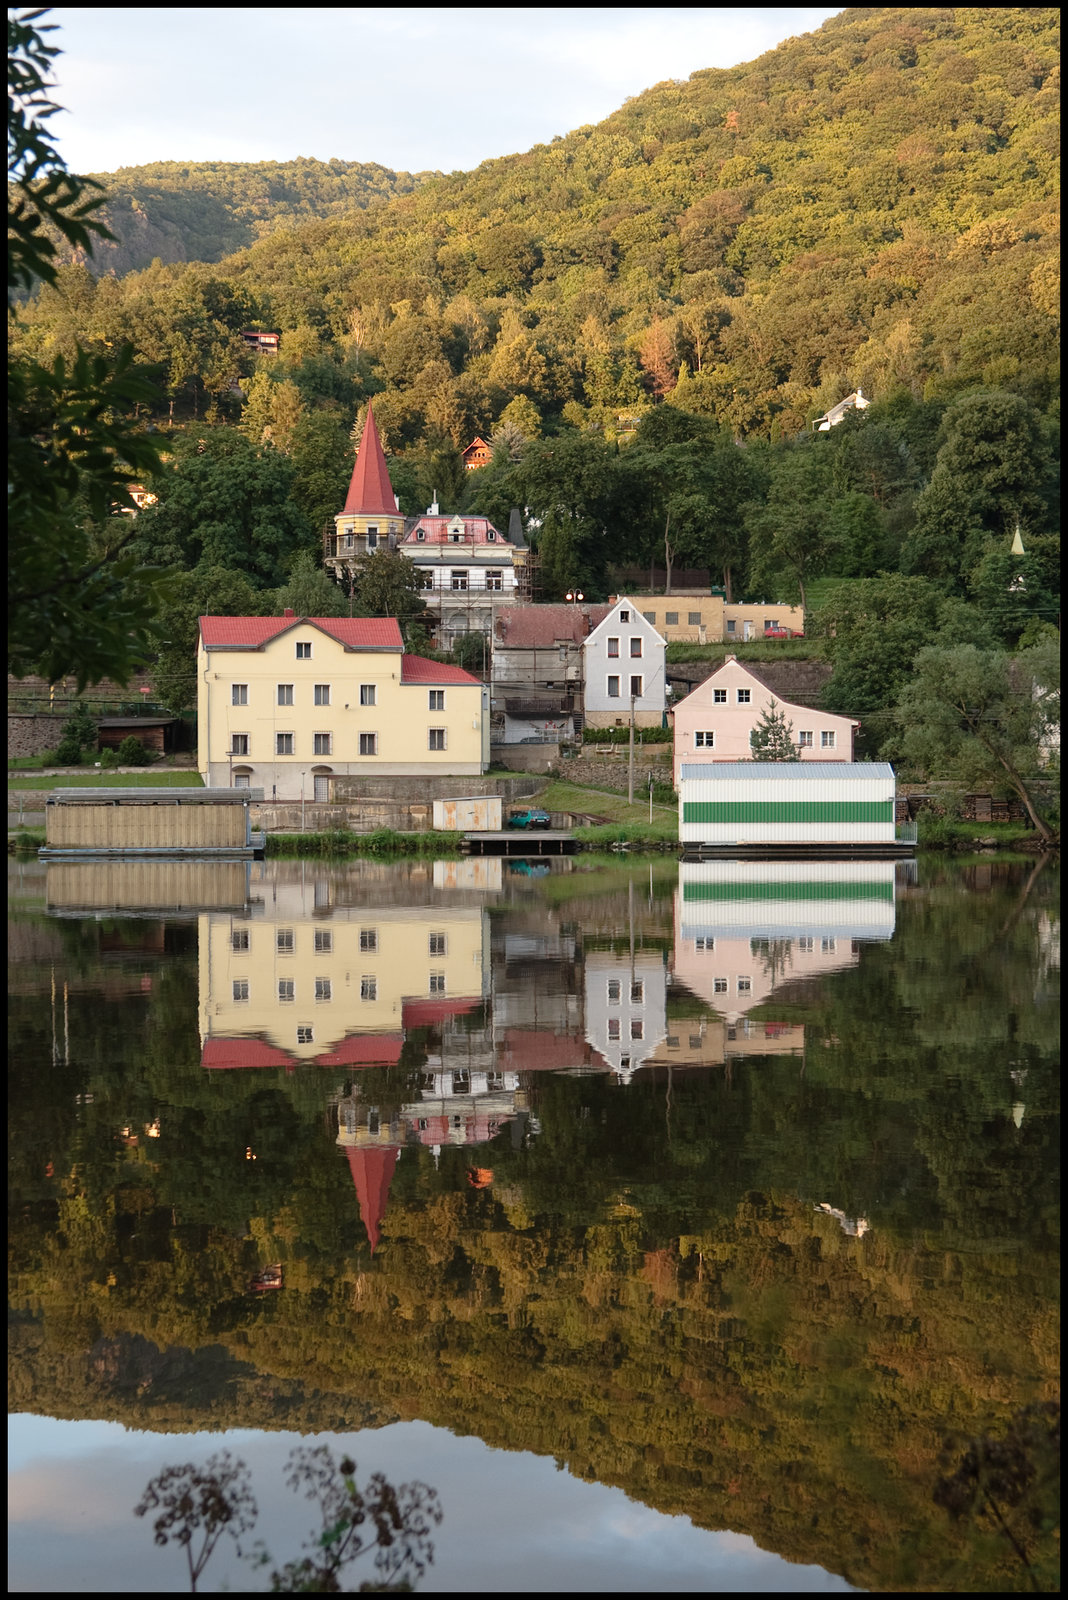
x=337, y=985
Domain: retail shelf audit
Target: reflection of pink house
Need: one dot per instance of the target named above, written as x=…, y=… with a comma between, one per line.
x=734, y=975
x=715, y=720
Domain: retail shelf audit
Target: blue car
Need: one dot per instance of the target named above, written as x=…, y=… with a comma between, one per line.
x=532, y=818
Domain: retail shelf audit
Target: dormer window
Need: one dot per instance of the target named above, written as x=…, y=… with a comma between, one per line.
x=420, y=534
x=491, y=536
x=454, y=538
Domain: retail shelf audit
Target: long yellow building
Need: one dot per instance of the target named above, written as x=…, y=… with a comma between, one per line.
x=284, y=703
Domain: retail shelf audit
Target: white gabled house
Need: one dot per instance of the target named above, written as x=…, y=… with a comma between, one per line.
x=624, y=663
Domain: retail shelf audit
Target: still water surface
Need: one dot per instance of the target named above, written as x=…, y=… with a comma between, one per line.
x=665, y=1218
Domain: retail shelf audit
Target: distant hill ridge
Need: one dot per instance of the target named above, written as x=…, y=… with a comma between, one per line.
x=204, y=210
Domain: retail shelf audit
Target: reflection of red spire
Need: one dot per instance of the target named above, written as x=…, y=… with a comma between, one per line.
x=370, y=489
x=372, y=1173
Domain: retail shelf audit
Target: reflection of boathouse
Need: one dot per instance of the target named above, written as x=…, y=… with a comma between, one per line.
x=745, y=928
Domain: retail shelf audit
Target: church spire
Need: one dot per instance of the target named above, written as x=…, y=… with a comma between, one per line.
x=370, y=491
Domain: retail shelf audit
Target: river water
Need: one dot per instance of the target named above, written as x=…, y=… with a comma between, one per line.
x=671, y=1221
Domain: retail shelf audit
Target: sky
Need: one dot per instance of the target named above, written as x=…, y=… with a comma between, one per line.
x=423, y=89
x=512, y=1522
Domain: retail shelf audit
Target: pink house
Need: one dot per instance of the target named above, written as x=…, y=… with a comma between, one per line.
x=714, y=721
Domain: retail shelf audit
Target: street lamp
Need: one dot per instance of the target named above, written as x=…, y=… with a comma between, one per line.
x=573, y=596
x=302, y=802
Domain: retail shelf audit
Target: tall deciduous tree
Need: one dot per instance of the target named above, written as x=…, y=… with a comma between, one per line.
x=983, y=717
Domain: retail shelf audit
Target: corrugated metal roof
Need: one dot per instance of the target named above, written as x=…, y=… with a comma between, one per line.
x=808, y=771
x=155, y=797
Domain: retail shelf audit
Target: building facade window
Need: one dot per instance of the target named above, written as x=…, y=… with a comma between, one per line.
x=744, y=985
x=323, y=989
x=459, y=580
x=368, y=744
x=239, y=694
x=635, y=688
x=719, y=986
x=437, y=944
x=321, y=697
x=614, y=991
x=827, y=741
x=436, y=739
x=804, y=739
x=650, y=616
x=671, y=619
x=284, y=941
x=635, y=647
x=637, y=992
x=240, y=989
x=368, y=939
x=305, y=1034
x=437, y=983
x=744, y=696
x=239, y=939
x=321, y=743
x=694, y=619
x=613, y=688
x=303, y=651
x=624, y=616
x=732, y=627
x=805, y=945
x=705, y=740
x=324, y=941
x=367, y=694
x=436, y=699
x=283, y=744
x=613, y=1027
x=613, y=647
x=719, y=697
x=368, y=987
x=704, y=942
x=494, y=580
x=637, y=1028
x=239, y=744
x=286, y=990
x=285, y=694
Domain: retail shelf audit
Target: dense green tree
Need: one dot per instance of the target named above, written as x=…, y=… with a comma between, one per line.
x=310, y=591
x=772, y=736
x=388, y=584
x=985, y=718
x=571, y=487
x=205, y=591
x=789, y=534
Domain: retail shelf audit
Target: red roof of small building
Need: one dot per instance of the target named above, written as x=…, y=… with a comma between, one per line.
x=478, y=445
x=427, y=1013
x=370, y=489
x=252, y=633
x=364, y=1050
x=533, y=1050
x=435, y=530
x=417, y=669
x=526, y=627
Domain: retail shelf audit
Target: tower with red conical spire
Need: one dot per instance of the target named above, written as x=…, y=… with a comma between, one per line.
x=371, y=517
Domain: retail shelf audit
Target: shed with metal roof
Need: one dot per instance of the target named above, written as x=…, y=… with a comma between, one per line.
x=786, y=803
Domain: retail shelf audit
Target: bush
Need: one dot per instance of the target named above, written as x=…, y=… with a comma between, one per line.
x=132, y=753
x=68, y=751
x=109, y=757
x=622, y=736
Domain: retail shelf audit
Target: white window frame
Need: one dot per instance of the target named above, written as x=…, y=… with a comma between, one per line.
x=284, y=696
x=827, y=739
x=613, y=647
x=240, y=991
x=285, y=943
x=636, y=648
x=279, y=750
x=459, y=580
x=639, y=679
x=430, y=736
x=286, y=991
x=368, y=941
x=240, y=941
x=324, y=989
x=437, y=983
x=368, y=986
x=704, y=739
x=321, y=694
x=437, y=944
x=719, y=697
x=236, y=747
x=745, y=696
x=435, y=699
x=804, y=739
x=322, y=744
x=368, y=694
x=324, y=941
x=239, y=694
x=373, y=738
x=304, y=650
x=610, y=693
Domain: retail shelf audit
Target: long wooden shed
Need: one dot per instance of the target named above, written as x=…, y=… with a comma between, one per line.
x=151, y=822
x=787, y=804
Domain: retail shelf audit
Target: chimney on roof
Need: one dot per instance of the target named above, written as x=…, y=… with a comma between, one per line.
x=289, y=612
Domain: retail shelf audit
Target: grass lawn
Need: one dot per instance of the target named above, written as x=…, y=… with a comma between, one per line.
x=90, y=779
x=751, y=650
x=633, y=820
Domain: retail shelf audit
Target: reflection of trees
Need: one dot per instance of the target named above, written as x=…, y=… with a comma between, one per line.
x=775, y=958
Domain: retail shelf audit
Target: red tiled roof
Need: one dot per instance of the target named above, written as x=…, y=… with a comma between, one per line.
x=252, y=633
x=364, y=1050
x=436, y=531
x=531, y=1050
x=520, y=627
x=245, y=1052
x=417, y=669
x=370, y=489
x=426, y=1013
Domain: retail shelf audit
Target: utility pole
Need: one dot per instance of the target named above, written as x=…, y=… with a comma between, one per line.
x=630, y=763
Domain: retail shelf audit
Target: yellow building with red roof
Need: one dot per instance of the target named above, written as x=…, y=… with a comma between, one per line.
x=285, y=703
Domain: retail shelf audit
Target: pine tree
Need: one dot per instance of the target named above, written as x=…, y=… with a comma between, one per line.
x=772, y=738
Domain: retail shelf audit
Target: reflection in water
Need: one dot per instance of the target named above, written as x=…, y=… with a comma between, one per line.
x=731, y=1184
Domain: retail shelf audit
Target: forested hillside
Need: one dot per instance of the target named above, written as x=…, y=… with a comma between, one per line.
x=204, y=210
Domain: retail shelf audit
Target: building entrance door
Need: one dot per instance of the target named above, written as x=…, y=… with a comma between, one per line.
x=322, y=786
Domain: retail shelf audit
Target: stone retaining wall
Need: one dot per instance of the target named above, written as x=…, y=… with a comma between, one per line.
x=31, y=735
